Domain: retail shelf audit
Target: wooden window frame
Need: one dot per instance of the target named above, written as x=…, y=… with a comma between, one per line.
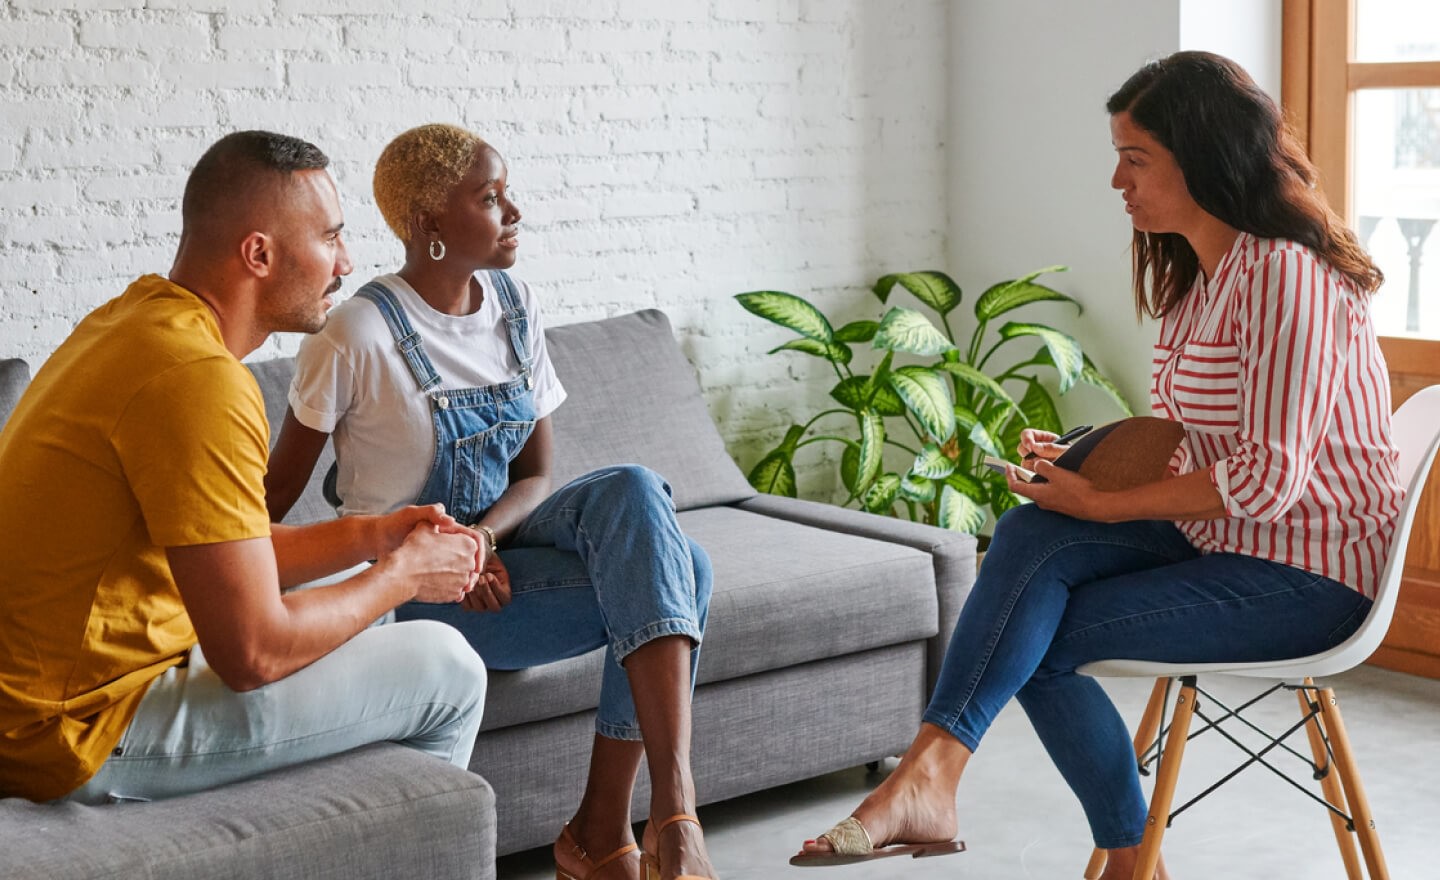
x=1319, y=79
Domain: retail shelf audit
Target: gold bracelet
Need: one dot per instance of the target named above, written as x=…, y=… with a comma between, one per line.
x=490, y=534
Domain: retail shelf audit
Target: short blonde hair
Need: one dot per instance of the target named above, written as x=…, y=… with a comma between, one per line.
x=417, y=170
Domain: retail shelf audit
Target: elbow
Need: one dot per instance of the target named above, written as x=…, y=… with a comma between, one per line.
x=247, y=671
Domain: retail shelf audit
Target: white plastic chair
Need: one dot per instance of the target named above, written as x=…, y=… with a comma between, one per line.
x=1417, y=436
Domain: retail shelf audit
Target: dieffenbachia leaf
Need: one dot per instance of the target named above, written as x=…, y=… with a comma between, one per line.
x=928, y=397
x=911, y=332
x=788, y=311
x=881, y=494
x=1064, y=351
x=958, y=513
x=835, y=352
x=932, y=463
x=933, y=288
x=872, y=447
x=850, y=393
x=976, y=379
x=774, y=474
x=1008, y=295
x=857, y=331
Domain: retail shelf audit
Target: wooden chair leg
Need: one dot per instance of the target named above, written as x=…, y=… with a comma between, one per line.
x=1144, y=735
x=1165, y=779
x=1330, y=786
x=1354, y=791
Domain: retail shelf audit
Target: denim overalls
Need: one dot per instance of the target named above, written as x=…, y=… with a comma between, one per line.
x=602, y=561
x=478, y=431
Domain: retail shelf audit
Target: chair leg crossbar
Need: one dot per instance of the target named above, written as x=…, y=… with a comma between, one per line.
x=1162, y=746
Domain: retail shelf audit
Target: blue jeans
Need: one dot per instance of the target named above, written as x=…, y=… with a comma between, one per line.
x=600, y=562
x=1055, y=593
x=418, y=684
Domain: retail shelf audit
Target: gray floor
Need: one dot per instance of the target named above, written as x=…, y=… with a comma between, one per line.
x=1019, y=820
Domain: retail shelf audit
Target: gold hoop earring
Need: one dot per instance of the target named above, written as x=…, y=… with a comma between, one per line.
x=437, y=250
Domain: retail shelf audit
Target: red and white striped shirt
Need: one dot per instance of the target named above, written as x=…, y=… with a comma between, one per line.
x=1273, y=368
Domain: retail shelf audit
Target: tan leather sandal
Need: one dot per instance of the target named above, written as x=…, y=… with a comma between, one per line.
x=651, y=861
x=567, y=845
x=850, y=843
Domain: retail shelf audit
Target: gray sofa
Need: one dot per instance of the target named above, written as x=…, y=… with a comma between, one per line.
x=826, y=630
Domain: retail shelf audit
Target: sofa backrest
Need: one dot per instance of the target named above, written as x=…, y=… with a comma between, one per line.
x=633, y=398
x=14, y=376
x=273, y=377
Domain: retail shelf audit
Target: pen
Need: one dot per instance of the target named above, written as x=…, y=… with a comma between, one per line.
x=1069, y=436
x=1073, y=434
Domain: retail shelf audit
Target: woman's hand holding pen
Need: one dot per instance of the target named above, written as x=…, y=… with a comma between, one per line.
x=1035, y=443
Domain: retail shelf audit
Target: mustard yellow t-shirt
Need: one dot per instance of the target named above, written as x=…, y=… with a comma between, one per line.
x=141, y=432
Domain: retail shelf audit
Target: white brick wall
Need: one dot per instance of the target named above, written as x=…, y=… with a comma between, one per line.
x=667, y=153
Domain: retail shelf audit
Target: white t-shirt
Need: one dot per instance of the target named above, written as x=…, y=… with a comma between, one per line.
x=352, y=382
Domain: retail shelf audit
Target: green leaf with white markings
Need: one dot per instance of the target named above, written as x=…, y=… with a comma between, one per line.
x=978, y=380
x=958, y=513
x=774, y=474
x=872, y=448
x=928, y=397
x=881, y=495
x=1009, y=295
x=1064, y=350
x=911, y=332
x=788, y=311
x=918, y=489
x=932, y=463
x=933, y=288
x=835, y=352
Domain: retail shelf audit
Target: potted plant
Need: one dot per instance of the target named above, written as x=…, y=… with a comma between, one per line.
x=944, y=412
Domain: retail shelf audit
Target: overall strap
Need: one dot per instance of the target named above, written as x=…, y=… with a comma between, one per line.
x=515, y=322
x=409, y=342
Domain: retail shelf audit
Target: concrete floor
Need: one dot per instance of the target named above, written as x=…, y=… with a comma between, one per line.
x=1019, y=820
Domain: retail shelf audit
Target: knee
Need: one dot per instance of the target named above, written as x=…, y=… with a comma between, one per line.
x=634, y=483
x=438, y=656
x=1025, y=521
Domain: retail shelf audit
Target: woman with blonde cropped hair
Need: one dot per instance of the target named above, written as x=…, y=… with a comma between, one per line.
x=437, y=387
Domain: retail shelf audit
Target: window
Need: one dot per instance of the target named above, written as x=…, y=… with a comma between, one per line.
x=1362, y=86
x=1361, y=83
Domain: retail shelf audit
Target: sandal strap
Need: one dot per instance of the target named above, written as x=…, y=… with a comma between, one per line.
x=567, y=838
x=622, y=851
x=678, y=817
x=849, y=838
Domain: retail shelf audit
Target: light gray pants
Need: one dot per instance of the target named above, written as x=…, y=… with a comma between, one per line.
x=419, y=684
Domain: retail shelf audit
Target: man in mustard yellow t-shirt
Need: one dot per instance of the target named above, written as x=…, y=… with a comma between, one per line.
x=133, y=520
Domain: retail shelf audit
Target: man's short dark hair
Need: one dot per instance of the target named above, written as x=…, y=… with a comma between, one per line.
x=242, y=162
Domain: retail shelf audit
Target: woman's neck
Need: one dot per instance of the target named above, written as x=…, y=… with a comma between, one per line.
x=1211, y=240
x=447, y=289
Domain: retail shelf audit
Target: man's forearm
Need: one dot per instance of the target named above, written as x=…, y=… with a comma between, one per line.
x=305, y=553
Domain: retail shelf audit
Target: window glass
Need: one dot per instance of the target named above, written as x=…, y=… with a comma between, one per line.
x=1397, y=204
x=1397, y=30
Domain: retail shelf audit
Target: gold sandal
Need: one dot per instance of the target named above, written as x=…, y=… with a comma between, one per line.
x=566, y=843
x=650, y=862
x=850, y=843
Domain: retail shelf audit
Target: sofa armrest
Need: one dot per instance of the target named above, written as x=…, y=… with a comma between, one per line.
x=953, y=554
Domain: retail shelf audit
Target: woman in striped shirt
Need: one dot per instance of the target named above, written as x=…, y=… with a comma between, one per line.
x=1268, y=540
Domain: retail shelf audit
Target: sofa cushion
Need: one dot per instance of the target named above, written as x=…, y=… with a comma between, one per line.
x=380, y=811
x=633, y=398
x=14, y=376
x=273, y=377
x=785, y=594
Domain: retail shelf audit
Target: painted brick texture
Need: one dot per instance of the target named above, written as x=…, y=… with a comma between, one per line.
x=666, y=153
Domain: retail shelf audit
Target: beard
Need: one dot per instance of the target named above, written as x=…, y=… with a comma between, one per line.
x=302, y=311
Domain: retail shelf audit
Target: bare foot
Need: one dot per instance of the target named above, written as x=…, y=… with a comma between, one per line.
x=680, y=849
x=908, y=807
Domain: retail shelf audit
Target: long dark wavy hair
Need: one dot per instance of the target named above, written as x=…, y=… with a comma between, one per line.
x=1242, y=166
